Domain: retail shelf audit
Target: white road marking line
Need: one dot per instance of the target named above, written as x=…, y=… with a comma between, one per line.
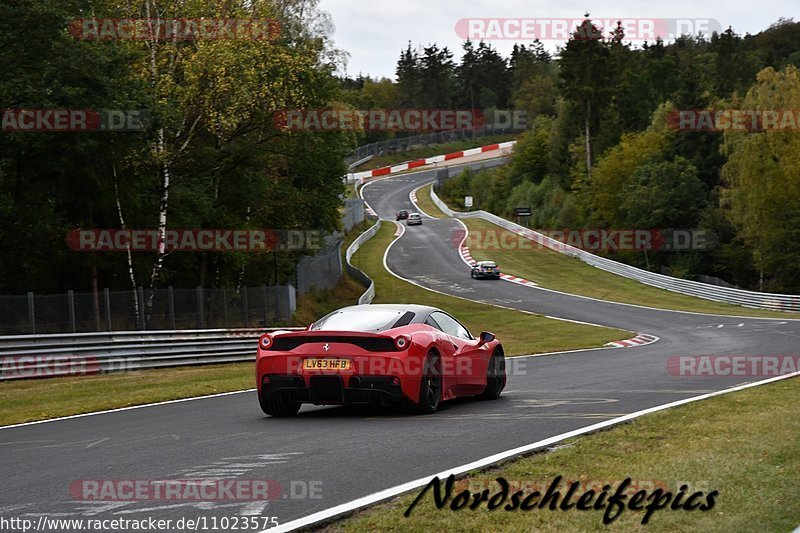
x=391, y=492
x=120, y=409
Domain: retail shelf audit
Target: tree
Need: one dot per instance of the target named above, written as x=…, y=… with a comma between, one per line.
x=663, y=195
x=585, y=75
x=761, y=194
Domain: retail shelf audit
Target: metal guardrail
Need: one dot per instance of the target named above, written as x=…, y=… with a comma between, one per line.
x=403, y=144
x=757, y=300
x=361, y=161
x=369, y=294
x=27, y=356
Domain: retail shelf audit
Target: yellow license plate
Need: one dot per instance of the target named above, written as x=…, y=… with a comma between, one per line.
x=326, y=364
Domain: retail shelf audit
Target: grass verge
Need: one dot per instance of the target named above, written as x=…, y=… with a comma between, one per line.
x=555, y=271
x=742, y=444
x=521, y=333
x=39, y=399
x=432, y=150
x=425, y=203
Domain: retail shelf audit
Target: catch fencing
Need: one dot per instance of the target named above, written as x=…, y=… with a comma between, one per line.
x=757, y=300
x=172, y=309
x=354, y=213
x=402, y=144
x=144, y=309
x=322, y=270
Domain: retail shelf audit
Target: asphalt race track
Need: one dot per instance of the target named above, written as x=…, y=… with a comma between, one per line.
x=339, y=455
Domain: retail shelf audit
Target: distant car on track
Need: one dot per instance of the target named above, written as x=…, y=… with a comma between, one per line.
x=379, y=355
x=485, y=269
x=402, y=215
x=414, y=219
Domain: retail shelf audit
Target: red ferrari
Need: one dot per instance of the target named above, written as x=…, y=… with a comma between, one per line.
x=378, y=355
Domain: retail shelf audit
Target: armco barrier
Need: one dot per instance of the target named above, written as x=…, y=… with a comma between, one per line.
x=757, y=300
x=26, y=356
x=369, y=294
x=385, y=171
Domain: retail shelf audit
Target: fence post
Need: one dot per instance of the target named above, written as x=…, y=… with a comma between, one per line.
x=71, y=310
x=142, y=317
x=245, y=310
x=31, y=313
x=200, y=318
x=224, y=307
x=264, y=294
x=171, y=304
x=107, y=300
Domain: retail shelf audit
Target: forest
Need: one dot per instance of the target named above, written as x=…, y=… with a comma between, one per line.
x=208, y=156
x=601, y=148
x=604, y=150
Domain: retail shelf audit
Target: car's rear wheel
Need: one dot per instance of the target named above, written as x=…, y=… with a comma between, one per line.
x=430, y=389
x=495, y=376
x=279, y=406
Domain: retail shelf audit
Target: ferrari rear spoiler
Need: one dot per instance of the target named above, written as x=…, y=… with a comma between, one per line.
x=374, y=342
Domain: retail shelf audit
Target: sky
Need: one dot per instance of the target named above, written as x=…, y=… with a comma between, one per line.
x=375, y=32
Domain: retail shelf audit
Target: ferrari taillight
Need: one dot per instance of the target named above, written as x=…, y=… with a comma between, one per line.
x=265, y=342
x=402, y=342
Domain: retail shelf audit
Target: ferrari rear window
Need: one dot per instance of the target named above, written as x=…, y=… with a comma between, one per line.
x=358, y=320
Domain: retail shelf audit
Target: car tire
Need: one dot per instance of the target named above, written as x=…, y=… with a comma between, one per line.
x=279, y=407
x=495, y=376
x=430, y=389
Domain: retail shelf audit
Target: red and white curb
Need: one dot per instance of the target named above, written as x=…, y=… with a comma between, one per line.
x=467, y=257
x=383, y=171
x=413, y=197
x=639, y=340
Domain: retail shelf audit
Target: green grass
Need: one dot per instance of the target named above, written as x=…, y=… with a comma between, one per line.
x=39, y=399
x=742, y=444
x=426, y=204
x=432, y=150
x=556, y=271
x=521, y=333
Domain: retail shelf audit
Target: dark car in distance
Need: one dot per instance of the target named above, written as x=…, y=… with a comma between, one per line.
x=485, y=270
x=402, y=215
